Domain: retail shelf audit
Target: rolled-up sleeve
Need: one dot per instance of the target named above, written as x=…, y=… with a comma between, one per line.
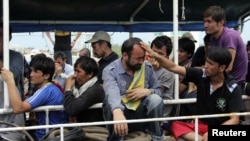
x=152, y=80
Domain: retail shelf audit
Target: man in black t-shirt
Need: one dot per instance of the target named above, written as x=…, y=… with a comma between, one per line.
x=63, y=43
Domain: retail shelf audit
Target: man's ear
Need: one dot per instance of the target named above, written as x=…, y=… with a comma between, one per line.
x=124, y=55
x=222, y=68
x=47, y=76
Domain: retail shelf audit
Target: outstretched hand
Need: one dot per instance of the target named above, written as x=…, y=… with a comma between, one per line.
x=148, y=49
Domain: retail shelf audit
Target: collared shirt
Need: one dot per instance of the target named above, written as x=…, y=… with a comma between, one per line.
x=103, y=63
x=67, y=71
x=116, y=81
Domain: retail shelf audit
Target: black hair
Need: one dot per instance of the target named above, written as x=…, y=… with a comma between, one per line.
x=216, y=12
x=187, y=45
x=128, y=44
x=88, y=64
x=60, y=54
x=206, y=39
x=161, y=42
x=44, y=64
x=219, y=55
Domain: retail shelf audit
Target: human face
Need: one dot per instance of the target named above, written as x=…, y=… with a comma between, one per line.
x=37, y=78
x=136, y=59
x=183, y=57
x=60, y=61
x=161, y=51
x=212, y=69
x=98, y=49
x=81, y=76
x=211, y=26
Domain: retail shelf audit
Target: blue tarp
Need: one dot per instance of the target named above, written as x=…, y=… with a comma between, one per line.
x=140, y=27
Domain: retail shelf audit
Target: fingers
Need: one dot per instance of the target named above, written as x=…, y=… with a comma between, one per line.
x=144, y=46
x=121, y=129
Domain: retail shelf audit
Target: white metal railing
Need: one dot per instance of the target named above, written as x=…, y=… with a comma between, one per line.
x=62, y=126
x=99, y=105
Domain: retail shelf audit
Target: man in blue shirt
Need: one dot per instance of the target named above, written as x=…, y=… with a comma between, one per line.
x=117, y=78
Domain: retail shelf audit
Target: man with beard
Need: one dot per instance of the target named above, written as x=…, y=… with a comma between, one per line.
x=101, y=45
x=132, y=92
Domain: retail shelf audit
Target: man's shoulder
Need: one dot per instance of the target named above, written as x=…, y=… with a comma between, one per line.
x=69, y=69
x=116, y=64
x=164, y=71
x=97, y=88
x=15, y=54
x=227, y=32
x=113, y=56
x=148, y=65
x=54, y=89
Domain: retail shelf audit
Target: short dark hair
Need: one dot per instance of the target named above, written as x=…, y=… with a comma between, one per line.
x=88, y=64
x=216, y=12
x=128, y=44
x=44, y=64
x=187, y=45
x=206, y=39
x=60, y=54
x=219, y=55
x=163, y=41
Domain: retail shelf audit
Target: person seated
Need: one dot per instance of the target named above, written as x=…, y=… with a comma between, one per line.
x=132, y=92
x=82, y=90
x=185, y=53
x=163, y=46
x=42, y=70
x=213, y=84
x=62, y=69
x=198, y=59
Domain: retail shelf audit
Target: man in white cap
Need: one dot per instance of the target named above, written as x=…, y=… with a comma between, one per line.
x=101, y=45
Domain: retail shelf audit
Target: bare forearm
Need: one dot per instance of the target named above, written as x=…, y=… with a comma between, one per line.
x=170, y=65
x=78, y=35
x=14, y=96
x=234, y=120
x=49, y=36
